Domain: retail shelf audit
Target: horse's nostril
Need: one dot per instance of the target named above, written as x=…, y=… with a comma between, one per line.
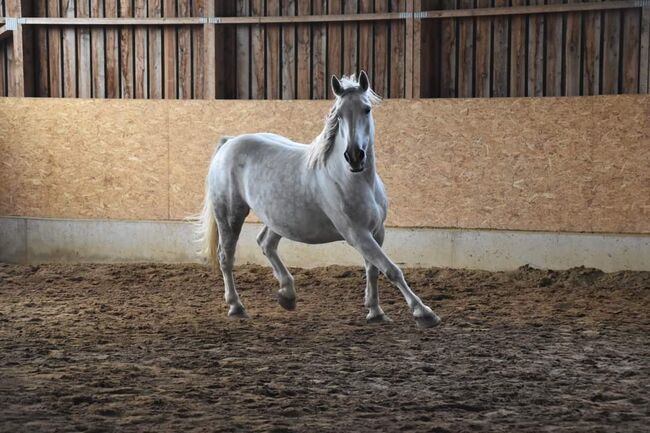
x=347, y=156
x=362, y=154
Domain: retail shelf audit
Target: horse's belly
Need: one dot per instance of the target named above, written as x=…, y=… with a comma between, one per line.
x=300, y=224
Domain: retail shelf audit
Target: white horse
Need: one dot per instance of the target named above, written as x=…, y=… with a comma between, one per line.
x=325, y=192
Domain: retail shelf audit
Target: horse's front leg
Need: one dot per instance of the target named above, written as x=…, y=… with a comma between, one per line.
x=364, y=242
x=375, y=313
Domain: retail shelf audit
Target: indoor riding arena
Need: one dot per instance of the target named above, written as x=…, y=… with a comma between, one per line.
x=513, y=141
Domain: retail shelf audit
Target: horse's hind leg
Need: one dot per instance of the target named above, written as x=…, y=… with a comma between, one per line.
x=229, y=223
x=269, y=240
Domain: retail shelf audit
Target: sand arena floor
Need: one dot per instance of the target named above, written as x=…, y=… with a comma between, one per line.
x=149, y=348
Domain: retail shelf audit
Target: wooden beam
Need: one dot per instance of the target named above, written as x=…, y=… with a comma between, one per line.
x=434, y=14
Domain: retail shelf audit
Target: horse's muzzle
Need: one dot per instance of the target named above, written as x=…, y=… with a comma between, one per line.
x=356, y=160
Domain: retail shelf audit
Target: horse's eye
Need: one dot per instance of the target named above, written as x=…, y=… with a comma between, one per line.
x=367, y=110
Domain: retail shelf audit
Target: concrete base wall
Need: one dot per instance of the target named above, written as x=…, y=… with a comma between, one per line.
x=32, y=240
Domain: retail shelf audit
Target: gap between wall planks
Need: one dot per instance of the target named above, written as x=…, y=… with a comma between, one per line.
x=481, y=72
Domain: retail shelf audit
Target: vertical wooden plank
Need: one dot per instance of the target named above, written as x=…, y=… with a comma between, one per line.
x=380, y=79
x=41, y=63
x=303, y=86
x=169, y=52
x=288, y=52
x=536, y=52
x=273, y=85
x=408, y=52
x=483, y=52
x=42, y=84
x=365, y=39
x=155, y=78
x=112, y=53
x=227, y=57
x=611, y=55
x=644, y=59
x=631, y=47
x=54, y=50
x=416, y=50
x=351, y=39
x=258, y=89
x=591, y=53
x=98, y=61
x=16, y=60
x=3, y=62
x=334, y=44
x=243, y=53
x=199, y=52
x=465, y=52
x=69, y=53
x=319, y=59
x=140, y=52
x=126, y=53
x=184, y=54
x=83, y=52
x=219, y=52
x=448, y=55
x=518, y=52
x=572, y=53
x=553, y=35
x=207, y=57
x=500, y=53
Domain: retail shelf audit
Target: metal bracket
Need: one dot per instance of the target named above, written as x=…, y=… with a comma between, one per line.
x=11, y=23
x=214, y=20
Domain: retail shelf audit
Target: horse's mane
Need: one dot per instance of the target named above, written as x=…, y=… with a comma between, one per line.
x=324, y=143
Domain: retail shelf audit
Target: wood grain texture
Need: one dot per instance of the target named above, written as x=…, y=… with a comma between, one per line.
x=366, y=45
x=243, y=53
x=112, y=54
x=631, y=47
x=127, y=77
x=84, y=52
x=54, y=51
x=483, y=46
x=303, y=53
x=273, y=57
x=69, y=53
x=169, y=53
x=141, y=73
x=611, y=48
x=448, y=59
x=498, y=164
x=591, y=53
x=42, y=80
x=319, y=53
x=500, y=53
x=465, y=52
x=258, y=88
x=644, y=55
x=553, y=58
x=184, y=54
x=334, y=44
x=397, y=52
x=518, y=53
x=155, y=52
x=350, y=39
x=573, y=53
x=380, y=81
x=98, y=60
x=535, y=81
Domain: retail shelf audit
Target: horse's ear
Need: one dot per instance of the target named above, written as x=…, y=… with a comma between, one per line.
x=337, y=88
x=363, y=81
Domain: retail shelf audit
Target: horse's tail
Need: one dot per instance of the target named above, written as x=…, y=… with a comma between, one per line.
x=207, y=224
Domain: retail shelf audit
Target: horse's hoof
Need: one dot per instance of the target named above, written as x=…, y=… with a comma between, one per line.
x=287, y=303
x=378, y=318
x=238, y=312
x=427, y=321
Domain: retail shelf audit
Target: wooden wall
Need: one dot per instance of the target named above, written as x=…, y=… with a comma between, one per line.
x=578, y=164
x=555, y=54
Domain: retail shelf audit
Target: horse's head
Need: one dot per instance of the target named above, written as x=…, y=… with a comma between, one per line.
x=354, y=113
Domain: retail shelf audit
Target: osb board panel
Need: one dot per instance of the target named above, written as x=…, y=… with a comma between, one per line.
x=559, y=164
x=83, y=159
